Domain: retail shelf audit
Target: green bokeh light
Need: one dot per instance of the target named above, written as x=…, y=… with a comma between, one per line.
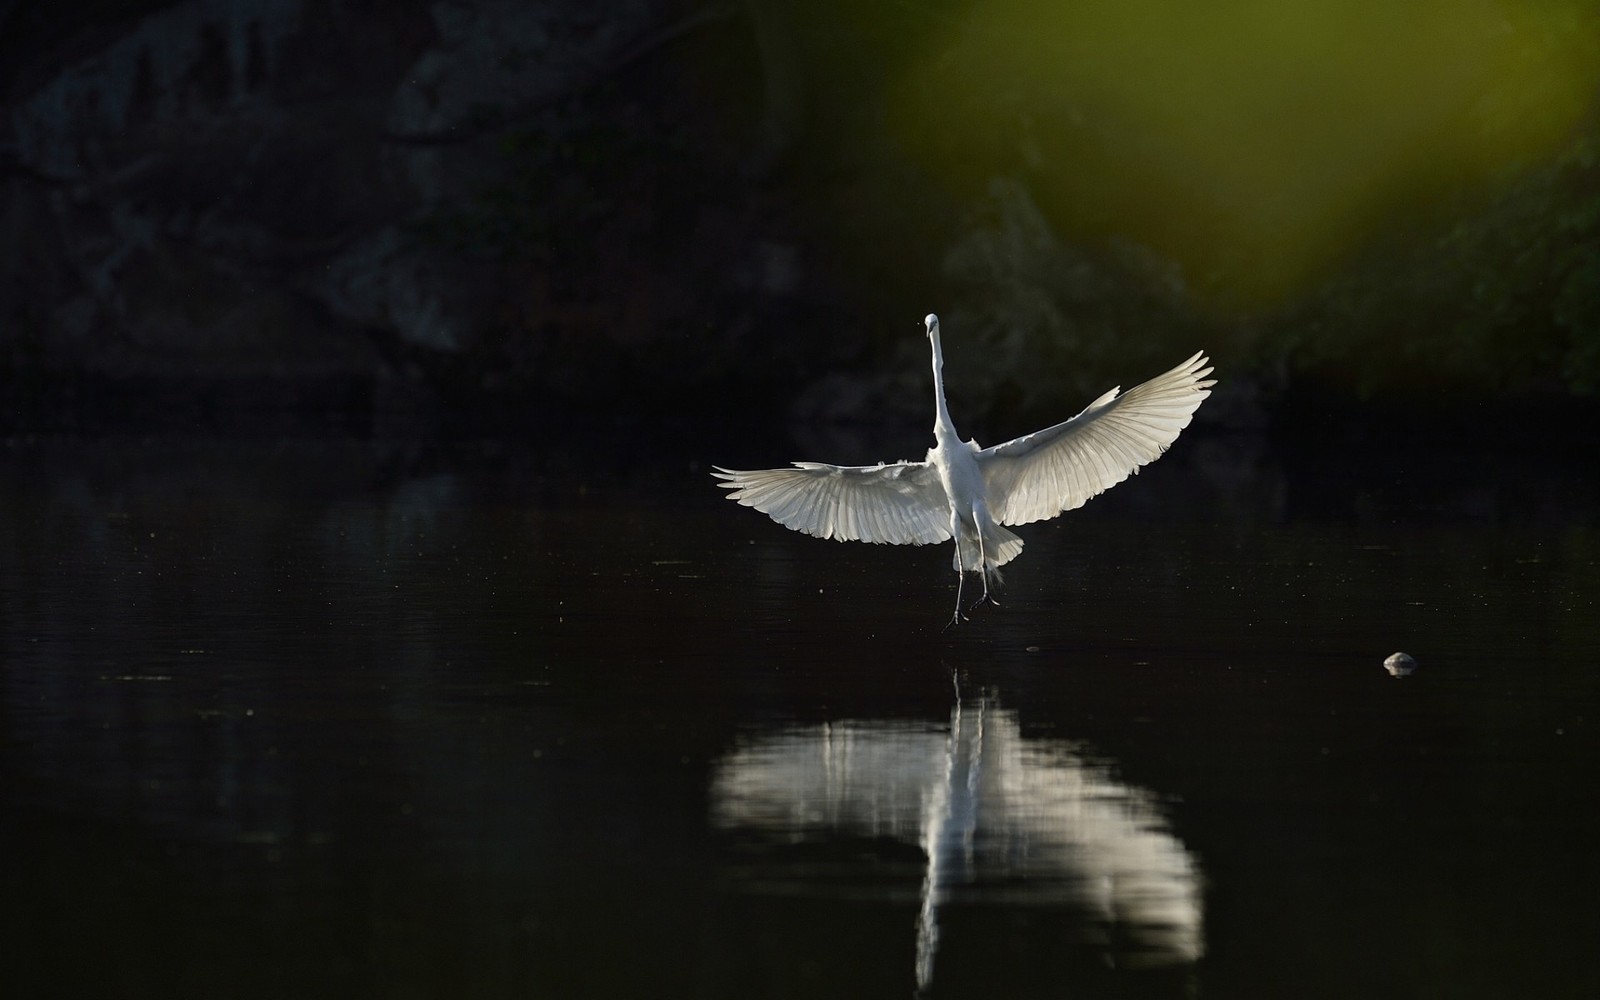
x=1255, y=142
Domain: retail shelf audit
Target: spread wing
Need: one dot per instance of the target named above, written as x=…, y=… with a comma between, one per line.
x=1059, y=468
x=902, y=503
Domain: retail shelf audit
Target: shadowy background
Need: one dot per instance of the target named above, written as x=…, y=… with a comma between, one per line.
x=368, y=624
x=500, y=215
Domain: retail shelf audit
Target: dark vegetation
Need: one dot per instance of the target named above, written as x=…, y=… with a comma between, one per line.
x=365, y=214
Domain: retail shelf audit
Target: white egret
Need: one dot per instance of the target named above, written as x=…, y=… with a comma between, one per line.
x=966, y=492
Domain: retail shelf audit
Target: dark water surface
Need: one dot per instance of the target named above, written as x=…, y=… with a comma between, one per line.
x=355, y=719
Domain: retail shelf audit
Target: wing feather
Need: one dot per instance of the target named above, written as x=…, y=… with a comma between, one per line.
x=900, y=503
x=1042, y=474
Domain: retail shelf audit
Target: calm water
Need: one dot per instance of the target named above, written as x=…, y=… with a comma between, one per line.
x=354, y=719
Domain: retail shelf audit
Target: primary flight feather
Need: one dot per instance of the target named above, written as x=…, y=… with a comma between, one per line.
x=965, y=492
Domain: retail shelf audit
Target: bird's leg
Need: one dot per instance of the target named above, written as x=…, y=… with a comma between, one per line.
x=961, y=572
x=956, y=616
x=983, y=569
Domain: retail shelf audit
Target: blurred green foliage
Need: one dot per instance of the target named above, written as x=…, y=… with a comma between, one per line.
x=1258, y=143
x=1503, y=297
x=1384, y=196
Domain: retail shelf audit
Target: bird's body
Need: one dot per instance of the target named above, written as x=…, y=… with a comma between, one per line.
x=967, y=493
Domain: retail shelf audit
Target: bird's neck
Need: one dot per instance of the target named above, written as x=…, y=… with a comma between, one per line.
x=942, y=424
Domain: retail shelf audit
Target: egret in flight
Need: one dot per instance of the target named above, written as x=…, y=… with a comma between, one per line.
x=966, y=492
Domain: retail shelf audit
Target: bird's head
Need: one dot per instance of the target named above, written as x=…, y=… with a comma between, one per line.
x=932, y=323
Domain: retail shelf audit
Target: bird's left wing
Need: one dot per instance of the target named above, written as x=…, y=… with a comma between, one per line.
x=901, y=503
x=1059, y=468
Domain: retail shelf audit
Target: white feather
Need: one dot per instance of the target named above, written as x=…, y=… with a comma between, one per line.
x=965, y=493
x=898, y=504
x=1060, y=468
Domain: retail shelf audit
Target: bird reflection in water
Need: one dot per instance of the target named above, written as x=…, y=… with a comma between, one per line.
x=999, y=818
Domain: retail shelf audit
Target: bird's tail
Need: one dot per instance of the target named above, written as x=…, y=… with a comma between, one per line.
x=999, y=547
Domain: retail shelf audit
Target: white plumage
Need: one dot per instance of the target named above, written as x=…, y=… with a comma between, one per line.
x=965, y=492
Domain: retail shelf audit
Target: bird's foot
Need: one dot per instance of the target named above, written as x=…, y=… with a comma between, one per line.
x=955, y=619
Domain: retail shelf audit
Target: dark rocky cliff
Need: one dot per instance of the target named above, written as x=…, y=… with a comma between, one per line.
x=487, y=208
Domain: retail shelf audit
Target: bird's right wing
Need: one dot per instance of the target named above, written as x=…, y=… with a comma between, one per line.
x=1039, y=475
x=900, y=504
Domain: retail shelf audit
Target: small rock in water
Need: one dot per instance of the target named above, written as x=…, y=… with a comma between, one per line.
x=1399, y=664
